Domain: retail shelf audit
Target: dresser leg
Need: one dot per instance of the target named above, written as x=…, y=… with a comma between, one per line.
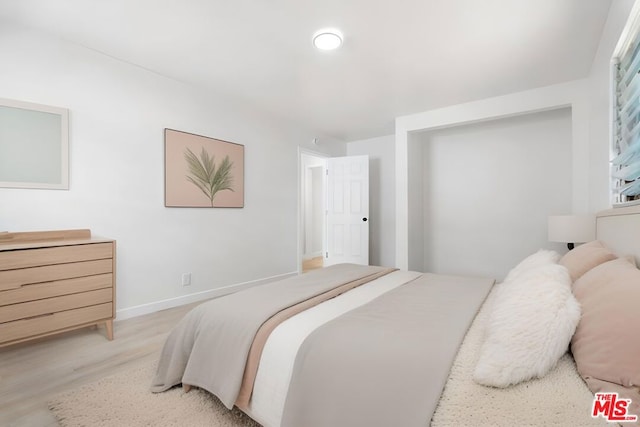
x=109, y=326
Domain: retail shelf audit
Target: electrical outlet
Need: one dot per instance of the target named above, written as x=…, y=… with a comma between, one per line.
x=186, y=279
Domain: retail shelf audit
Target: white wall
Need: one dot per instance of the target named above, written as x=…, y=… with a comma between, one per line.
x=415, y=187
x=489, y=188
x=313, y=183
x=381, y=196
x=117, y=116
x=589, y=99
x=571, y=94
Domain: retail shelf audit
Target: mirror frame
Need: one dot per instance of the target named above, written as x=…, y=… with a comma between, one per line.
x=63, y=141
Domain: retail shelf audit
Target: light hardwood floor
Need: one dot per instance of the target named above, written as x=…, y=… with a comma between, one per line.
x=30, y=373
x=312, y=264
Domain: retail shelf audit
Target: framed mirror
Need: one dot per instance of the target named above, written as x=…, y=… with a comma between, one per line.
x=34, y=145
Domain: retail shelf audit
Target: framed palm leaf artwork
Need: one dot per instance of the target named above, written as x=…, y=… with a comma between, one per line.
x=202, y=172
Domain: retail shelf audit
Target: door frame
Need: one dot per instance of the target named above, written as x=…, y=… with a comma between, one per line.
x=301, y=171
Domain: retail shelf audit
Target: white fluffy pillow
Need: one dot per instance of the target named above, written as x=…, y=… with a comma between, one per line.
x=533, y=318
x=538, y=259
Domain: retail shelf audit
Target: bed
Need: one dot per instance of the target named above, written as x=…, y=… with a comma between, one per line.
x=348, y=346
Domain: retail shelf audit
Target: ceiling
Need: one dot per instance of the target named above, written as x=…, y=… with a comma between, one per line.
x=399, y=56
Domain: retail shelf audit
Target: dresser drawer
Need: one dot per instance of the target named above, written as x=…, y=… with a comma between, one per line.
x=37, y=291
x=35, y=326
x=55, y=281
x=13, y=279
x=10, y=260
x=24, y=310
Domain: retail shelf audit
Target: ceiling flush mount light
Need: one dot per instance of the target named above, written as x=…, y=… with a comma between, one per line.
x=327, y=39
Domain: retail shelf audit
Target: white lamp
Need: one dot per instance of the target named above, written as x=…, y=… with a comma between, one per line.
x=571, y=229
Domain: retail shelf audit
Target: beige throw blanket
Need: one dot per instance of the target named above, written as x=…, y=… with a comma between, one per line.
x=210, y=345
x=386, y=362
x=253, y=361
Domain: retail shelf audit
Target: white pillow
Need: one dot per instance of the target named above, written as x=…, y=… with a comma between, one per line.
x=530, y=327
x=538, y=259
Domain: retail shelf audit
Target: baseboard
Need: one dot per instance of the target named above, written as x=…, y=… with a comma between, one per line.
x=152, y=307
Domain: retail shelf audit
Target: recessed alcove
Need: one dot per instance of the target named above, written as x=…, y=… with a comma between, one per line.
x=480, y=194
x=476, y=182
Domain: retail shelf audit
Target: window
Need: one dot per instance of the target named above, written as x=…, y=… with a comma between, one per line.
x=625, y=163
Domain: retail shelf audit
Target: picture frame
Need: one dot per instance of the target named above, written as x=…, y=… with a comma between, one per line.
x=202, y=172
x=34, y=145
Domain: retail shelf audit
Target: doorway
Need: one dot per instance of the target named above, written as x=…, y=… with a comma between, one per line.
x=333, y=208
x=312, y=210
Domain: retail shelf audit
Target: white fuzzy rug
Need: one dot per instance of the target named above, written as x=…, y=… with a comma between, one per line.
x=124, y=400
x=559, y=399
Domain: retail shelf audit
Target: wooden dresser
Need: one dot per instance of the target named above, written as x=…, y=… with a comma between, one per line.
x=55, y=281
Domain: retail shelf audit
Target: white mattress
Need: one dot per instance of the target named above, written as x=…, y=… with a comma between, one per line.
x=276, y=363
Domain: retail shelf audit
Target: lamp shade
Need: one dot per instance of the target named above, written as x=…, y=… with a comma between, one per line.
x=571, y=228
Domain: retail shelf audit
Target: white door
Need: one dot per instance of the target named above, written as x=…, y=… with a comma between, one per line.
x=347, y=210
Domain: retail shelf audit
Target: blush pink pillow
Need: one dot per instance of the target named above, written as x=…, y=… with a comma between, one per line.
x=606, y=344
x=585, y=257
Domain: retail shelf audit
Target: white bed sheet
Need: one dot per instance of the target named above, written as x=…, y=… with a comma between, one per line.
x=279, y=353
